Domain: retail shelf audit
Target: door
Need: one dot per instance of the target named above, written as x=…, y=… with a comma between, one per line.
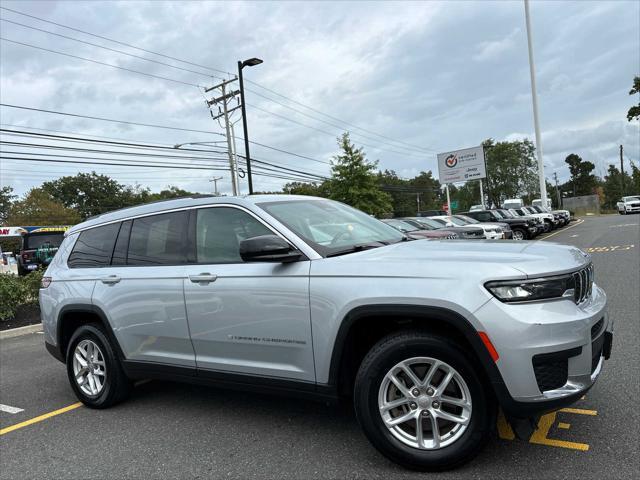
x=250, y=318
x=141, y=292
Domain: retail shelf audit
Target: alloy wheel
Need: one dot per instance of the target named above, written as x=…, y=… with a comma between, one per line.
x=89, y=368
x=425, y=403
x=518, y=235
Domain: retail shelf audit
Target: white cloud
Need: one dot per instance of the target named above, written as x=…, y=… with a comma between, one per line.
x=495, y=49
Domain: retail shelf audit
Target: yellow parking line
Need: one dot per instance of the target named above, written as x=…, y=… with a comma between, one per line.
x=564, y=426
x=580, y=411
x=578, y=222
x=40, y=418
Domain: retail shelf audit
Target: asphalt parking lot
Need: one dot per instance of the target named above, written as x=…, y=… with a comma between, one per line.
x=170, y=430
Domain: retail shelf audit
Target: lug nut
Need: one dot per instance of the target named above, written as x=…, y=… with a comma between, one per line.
x=425, y=413
x=435, y=404
x=430, y=391
x=415, y=392
x=413, y=405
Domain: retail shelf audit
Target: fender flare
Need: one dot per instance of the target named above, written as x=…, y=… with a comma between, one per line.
x=84, y=308
x=422, y=313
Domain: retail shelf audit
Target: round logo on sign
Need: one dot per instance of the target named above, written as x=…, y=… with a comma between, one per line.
x=451, y=161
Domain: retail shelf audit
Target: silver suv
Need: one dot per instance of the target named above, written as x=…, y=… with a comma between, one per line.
x=309, y=296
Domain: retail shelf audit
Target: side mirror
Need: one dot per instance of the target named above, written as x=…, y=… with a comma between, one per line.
x=268, y=248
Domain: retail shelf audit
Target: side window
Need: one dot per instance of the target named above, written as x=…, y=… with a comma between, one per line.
x=158, y=240
x=122, y=243
x=484, y=217
x=94, y=247
x=220, y=230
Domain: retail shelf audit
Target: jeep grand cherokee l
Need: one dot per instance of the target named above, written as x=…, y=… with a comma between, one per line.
x=306, y=295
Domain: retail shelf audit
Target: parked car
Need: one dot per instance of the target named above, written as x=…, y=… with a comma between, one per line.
x=475, y=208
x=38, y=248
x=546, y=218
x=558, y=220
x=417, y=233
x=537, y=222
x=492, y=231
x=522, y=228
x=431, y=213
x=467, y=233
x=426, y=338
x=629, y=204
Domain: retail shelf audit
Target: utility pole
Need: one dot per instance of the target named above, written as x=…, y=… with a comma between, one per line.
x=418, y=201
x=215, y=185
x=558, y=196
x=621, y=171
x=481, y=195
x=224, y=112
x=534, y=98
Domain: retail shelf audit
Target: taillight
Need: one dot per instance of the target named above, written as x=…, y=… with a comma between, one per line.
x=45, y=282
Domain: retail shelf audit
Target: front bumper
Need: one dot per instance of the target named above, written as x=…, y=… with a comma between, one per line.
x=493, y=235
x=630, y=209
x=557, y=331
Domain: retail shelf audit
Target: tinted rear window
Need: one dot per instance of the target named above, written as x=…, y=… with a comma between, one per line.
x=158, y=240
x=94, y=247
x=36, y=240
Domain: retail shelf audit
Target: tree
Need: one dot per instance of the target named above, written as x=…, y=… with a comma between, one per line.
x=6, y=198
x=303, y=188
x=634, y=112
x=613, y=186
x=635, y=179
x=583, y=181
x=89, y=193
x=38, y=207
x=354, y=180
x=512, y=170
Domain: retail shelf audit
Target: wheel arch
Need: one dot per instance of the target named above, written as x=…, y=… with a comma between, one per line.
x=380, y=320
x=72, y=316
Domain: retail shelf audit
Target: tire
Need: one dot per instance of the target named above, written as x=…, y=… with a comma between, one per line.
x=114, y=386
x=519, y=234
x=548, y=226
x=371, y=388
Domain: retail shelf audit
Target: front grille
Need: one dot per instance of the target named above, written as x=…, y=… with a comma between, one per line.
x=452, y=236
x=595, y=329
x=552, y=369
x=583, y=283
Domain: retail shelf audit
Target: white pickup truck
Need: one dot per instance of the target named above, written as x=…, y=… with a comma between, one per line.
x=629, y=204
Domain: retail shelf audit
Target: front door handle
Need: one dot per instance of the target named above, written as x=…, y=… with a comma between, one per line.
x=110, y=280
x=203, y=278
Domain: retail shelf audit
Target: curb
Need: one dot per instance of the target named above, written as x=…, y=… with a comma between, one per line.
x=16, y=332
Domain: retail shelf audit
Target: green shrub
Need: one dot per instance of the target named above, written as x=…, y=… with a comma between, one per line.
x=16, y=291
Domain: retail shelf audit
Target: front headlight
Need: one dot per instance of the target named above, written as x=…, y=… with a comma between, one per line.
x=530, y=290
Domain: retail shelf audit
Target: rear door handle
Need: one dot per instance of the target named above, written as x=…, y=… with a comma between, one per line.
x=203, y=278
x=110, y=280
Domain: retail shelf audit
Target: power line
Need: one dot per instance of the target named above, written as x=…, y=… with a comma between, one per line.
x=107, y=48
x=114, y=41
x=99, y=63
x=223, y=72
x=76, y=115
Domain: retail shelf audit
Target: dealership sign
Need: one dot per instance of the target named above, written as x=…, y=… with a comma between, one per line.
x=461, y=165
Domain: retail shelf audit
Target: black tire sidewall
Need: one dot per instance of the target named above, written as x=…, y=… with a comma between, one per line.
x=368, y=383
x=109, y=394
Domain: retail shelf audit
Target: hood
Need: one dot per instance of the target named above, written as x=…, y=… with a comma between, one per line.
x=486, y=259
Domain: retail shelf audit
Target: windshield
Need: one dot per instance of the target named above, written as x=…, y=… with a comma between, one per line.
x=498, y=214
x=526, y=210
x=441, y=223
x=463, y=220
x=329, y=226
x=536, y=209
x=401, y=225
x=429, y=223
x=506, y=214
x=626, y=199
x=36, y=240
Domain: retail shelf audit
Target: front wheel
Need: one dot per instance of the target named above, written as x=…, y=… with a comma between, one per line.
x=421, y=403
x=94, y=371
x=519, y=234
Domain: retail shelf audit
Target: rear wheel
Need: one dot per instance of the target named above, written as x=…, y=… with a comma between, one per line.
x=93, y=368
x=421, y=403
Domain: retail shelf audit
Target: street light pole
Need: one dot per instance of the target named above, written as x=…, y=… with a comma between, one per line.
x=241, y=64
x=534, y=97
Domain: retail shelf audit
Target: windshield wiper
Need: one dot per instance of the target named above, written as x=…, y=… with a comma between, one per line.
x=358, y=248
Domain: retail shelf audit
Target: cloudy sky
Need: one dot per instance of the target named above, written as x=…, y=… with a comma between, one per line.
x=407, y=79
